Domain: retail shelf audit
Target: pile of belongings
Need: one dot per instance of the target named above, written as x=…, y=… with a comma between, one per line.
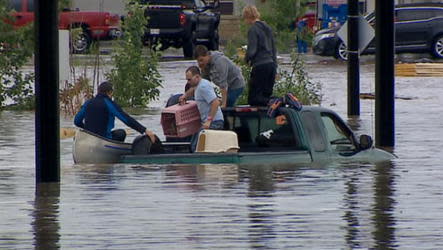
x=288, y=100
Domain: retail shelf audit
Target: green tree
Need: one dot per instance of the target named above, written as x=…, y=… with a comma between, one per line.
x=136, y=78
x=64, y=5
x=298, y=82
x=16, y=48
x=281, y=16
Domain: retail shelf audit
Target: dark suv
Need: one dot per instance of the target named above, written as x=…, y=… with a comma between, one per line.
x=418, y=28
x=183, y=24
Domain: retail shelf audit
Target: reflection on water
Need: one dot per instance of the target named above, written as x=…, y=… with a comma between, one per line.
x=46, y=211
x=262, y=225
x=213, y=206
x=377, y=200
x=383, y=208
x=351, y=204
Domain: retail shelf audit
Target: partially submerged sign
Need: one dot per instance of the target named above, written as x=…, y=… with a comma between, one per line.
x=365, y=35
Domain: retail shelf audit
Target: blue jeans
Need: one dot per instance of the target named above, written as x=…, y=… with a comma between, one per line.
x=302, y=46
x=233, y=95
x=218, y=125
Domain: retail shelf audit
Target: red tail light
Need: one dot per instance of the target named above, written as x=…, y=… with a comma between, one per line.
x=182, y=19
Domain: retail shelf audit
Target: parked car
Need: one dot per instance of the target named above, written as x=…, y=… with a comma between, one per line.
x=183, y=24
x=418, y=28
x=91, y=25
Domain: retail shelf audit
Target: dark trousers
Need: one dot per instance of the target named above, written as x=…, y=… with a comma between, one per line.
x=261, y=84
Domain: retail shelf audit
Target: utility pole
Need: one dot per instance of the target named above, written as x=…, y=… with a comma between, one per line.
x=47, y=121
x=353, y=59
x=384, y=73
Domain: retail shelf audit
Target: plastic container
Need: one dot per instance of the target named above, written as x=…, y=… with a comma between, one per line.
x=181, y=120
x=217, y=141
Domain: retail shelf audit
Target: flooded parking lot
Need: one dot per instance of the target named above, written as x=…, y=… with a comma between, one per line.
x=395, y=205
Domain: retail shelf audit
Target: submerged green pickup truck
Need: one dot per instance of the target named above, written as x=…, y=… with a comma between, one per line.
x=309, y=135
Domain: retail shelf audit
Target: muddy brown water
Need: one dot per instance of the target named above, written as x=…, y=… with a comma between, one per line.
x=396, y=205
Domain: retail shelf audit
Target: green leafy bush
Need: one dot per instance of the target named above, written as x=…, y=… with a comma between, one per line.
x=246, y=72
x=298, y=82
x=135, y=77
x=16, y=48
x=72, y=96
x=281, y=16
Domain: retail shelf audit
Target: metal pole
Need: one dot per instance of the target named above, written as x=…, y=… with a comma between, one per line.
x=47, y=121
x=353, y=59
x=384, y=74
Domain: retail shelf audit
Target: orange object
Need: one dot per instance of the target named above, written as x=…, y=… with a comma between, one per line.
x=280, y=120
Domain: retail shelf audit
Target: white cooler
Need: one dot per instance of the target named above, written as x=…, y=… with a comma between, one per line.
x=217, y=141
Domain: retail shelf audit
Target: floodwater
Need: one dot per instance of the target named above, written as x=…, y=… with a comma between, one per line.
x=396, y=205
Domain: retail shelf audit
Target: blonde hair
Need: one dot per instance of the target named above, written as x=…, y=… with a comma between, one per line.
x=251, y=12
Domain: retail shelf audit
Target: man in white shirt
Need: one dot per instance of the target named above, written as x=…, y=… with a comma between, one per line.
x=207, y=102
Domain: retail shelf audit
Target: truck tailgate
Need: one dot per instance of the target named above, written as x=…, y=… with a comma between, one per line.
x=163, y=16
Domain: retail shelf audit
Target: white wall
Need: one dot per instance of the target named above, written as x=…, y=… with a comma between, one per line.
x=64, y=66
x=113, y=6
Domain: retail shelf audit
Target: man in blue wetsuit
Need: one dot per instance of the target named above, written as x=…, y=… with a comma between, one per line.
x=97, y=115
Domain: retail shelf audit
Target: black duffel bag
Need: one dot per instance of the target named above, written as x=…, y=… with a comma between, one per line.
x=142, y=145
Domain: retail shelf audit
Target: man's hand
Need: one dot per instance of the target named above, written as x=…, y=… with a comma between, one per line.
x=224, y=99
x=151, y=135
x=182, y=99
x=207, y=124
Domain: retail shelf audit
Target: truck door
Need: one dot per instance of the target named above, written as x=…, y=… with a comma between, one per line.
x=339, y=137
x=412, y=28
x=314, y=133
x=24, y=12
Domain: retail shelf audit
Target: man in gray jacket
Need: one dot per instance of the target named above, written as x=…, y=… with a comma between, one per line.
x=222, y=72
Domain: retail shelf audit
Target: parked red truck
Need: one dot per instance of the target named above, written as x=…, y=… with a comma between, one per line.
x=92, y=25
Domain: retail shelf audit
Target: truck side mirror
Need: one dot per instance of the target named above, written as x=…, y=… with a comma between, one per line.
x=365, y=142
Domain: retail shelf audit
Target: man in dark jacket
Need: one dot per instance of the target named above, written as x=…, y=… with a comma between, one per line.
x=261, y=54
x=97, y=115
